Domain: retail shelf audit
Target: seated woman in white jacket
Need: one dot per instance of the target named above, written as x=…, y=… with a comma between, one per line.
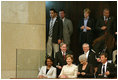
x=47, y=71
x=70, y=70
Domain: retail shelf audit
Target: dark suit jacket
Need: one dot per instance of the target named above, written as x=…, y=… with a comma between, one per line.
x=57, y=31
x=89, y=71
x=101, y=22
x=90, y=24
x=59, y=58
x=110, y=67
x=91, y=59
x=89, y=35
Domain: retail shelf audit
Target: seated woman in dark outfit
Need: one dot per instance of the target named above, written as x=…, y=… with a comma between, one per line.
x=85, y=70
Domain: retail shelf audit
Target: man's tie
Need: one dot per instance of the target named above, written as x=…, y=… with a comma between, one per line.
x=51, y=28
x=64, y=55
x=103, y=69
x=106, y=20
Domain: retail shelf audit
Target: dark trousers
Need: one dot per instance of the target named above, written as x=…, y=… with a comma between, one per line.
x=58, y=72
x=86, y=37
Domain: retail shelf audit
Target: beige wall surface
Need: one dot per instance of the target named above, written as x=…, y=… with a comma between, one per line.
x=22, y=27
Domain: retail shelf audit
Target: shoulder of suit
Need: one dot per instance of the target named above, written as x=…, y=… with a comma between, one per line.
x=53, y=67
x=43, y=66
x=91, y=52
x=67, y=19
x=91, y=18
x=58, y=52
x=110, y=64
x=111, y=17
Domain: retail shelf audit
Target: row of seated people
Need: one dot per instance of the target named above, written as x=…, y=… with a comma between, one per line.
x=83, y=70
x=89, y=66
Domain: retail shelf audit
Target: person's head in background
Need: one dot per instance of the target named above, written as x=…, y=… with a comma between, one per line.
x=106, y=12
x=86, y=12
x=52, y=13
x=85, y=47
x=49, y=61
x=63, y=47
x=62, y=14
x=83, y=59
x=69, y=59
x=56, y=14
x=103, y=58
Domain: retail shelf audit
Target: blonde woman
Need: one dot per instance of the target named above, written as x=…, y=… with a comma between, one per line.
x=69, y=70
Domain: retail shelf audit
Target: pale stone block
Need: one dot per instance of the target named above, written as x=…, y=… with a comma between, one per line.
x=14, y=11
x=33, y=12
x=37, y=12
x=8, y=74
x=15, y=36
x=28, y=62
x=24, y=36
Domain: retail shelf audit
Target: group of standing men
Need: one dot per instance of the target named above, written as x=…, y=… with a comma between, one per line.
x=60, y=29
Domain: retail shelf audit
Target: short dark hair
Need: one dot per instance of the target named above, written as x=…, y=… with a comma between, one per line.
x=47, y=59
x=62, y=10
x=53, y=10
x=105, y=54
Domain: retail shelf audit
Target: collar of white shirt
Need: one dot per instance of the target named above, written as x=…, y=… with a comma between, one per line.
x=54, y=18
x=63, y=53
x=105, y=64
x=86, y=18
x=105, y=68
x=87, y=53
x=105, y=18
x=63, y=19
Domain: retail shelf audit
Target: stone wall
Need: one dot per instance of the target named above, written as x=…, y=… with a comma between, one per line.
x=23, y=26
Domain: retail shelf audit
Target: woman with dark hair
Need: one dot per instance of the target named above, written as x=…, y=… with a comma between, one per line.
x=47, y=71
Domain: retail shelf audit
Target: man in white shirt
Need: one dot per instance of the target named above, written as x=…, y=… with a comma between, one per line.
x=105, y=69
x=89, y=54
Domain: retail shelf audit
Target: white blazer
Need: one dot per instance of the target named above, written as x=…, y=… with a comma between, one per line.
x=50, y=74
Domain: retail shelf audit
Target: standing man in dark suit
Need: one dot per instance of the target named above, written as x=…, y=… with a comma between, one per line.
x=54, y=33
x=86, y=27
x=105, y=69
x=105, y=23
x=67, y=28
x=60, y=57
x=91, y=59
